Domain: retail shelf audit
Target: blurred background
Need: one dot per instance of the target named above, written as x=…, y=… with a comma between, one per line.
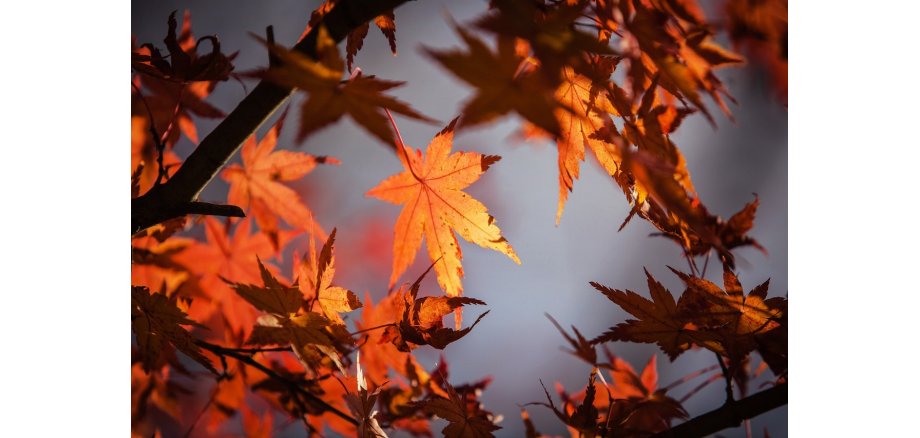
x=515, y=343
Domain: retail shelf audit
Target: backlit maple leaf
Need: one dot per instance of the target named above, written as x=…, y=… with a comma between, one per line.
x=579, y=129
x=232, y=258
x=311, y=335
x=316, y=272
x=257, y=187
x=434, y=206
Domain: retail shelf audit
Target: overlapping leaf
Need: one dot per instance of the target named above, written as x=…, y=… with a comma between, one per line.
x=361, y=97
x=466, y=420
x=421, y=321
x=501, y=87
x=386, y=22
x=726, y=321
x=362, y=405
x=316, y=273
x=311, y=335
x=157, y=322
x=233, y=257
x=661, y=321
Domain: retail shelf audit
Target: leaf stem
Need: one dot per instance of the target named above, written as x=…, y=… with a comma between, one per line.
x=729, y=392
x=392, y=324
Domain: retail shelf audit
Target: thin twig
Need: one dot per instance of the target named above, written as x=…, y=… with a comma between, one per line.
x=372, y=328
x=729, y=392
x=204, y=409
x=158, y=141
x=258, y=350
x=248, y=360
x=700, y=387
x=706, y=264
x=690, y=377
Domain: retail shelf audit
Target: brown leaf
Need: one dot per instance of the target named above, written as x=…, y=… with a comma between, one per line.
x=157, y=322
x=361, y=97
x=463, y=421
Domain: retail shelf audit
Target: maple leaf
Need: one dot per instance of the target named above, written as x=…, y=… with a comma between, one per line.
x=153, y=390
x=387, y=25
x=273, y=297
x=580, y=129
x=669, y=40
x=257, y=186
x=501, y=87
x=581, y=347
x=464, y=421
x=422, y=323
x=316, y=273
x=362, y=405
x=230, y=257
x=736, y=324
x=550, y=32
x=639, y=407
x=184, y=64
x=634, y=406
x=380, y=355
x=385, y=22
x=312, y=336
x=762, y=28
x=361, y=97
x=661, y=321
x=434, y=206
x=172, y=100
x=681, y=216
x=584, y=417
x=157, y=322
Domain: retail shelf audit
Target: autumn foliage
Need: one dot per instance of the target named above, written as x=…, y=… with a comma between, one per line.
x=612, y=79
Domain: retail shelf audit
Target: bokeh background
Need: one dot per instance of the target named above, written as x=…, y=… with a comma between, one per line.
x=515, y=343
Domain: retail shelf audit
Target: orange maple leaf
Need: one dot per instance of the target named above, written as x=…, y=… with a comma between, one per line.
x=435, y=205
x=233, y=258
x=578, y=131
x=316, y=272
x=257, y=186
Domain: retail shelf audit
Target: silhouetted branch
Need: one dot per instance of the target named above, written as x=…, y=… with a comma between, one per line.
x=296, y=387
x=730, y=415
x=158, y=204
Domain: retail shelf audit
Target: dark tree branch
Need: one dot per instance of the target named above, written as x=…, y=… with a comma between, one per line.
x=296, y=387
x=730, y=415
x=158, y=204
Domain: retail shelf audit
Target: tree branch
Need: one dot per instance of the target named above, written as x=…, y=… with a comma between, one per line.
x=248, y=360
x=158, y=204
x=731, y=414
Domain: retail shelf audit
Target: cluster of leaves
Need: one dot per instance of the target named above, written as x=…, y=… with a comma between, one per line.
x=613, y=76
